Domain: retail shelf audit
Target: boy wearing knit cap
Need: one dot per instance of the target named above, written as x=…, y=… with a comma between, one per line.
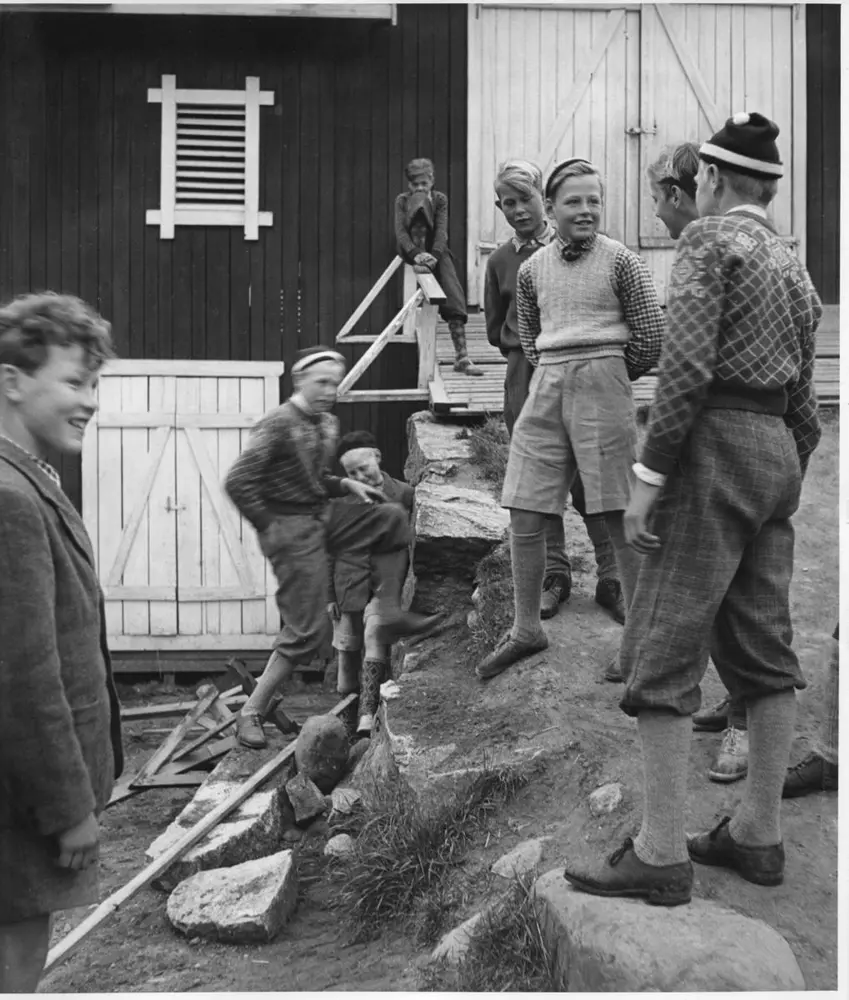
x=732, y=427
x=421, y=232
x=280, y=484
x=589, y=322
x=363, y=659
x=672, y=178
x=518, y=189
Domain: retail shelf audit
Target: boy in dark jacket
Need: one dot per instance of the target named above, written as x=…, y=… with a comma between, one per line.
x=60, y=747
x=421, y=232
x=363, y=660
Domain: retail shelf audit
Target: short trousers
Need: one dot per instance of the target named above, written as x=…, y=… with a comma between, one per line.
x=350, y=631
x=720, y=582
x=579, y=418
x=298, y=545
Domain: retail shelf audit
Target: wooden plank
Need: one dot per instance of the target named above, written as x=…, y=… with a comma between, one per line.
x=135, y=570
x=379, y=343
x=178, y=849
x=252, y=394
x=426, y=332
x=193, y=368
x=800, y=113
x=374, y=291
x=383, y=395
x=229, y=447
x=188, y=494
x=162, y=545
x=691, y=70
x=110, y=514
x=271, y=390
x=432, y=289
x=258, y=640
x=209, y=536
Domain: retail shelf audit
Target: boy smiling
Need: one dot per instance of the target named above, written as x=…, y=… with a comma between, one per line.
x=60, y=747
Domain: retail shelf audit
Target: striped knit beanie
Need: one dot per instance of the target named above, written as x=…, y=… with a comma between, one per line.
x=746, y=144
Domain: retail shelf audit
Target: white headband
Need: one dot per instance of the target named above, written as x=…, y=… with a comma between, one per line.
x=738, y=160
x=314, y=359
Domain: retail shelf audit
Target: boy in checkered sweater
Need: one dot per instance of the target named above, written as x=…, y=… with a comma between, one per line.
x=518, y=187
x=732, y=427
x=281, y=485
x=421, y=232
x=589, y=322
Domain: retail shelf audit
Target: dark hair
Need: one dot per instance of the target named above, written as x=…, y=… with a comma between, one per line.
x=31, y=323
x=355, y=439
x=421, y=165
x=577, y=166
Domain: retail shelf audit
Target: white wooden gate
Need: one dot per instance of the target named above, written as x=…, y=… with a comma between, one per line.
x=180, y=569
x=615, y=83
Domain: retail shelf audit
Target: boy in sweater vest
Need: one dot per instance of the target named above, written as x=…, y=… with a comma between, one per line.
x=518, y=189
x=363, y=660
x=589, y=321
x=732, y=427
x=672, y=179
x=421, y=232
x=281, y=485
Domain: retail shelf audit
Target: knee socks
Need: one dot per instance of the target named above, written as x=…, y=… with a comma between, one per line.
x=665, y=739
x=826, y=744
x=527, y=553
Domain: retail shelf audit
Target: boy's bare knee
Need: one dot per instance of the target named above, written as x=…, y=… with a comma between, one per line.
x=526, y=522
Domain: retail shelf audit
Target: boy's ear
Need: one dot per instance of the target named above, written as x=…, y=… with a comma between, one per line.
x=549, y=208
x=10, y=382
x=498, y=203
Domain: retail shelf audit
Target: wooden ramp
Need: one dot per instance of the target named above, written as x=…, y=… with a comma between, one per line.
x=462, y=395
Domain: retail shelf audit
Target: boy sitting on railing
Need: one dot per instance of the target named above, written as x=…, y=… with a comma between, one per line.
x=421, y=232
x=362, y=658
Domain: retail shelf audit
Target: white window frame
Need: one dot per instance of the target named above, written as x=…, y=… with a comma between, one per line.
x=170, y=214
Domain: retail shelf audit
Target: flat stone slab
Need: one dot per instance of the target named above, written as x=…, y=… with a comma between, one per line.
x=521, y=860
x=621, y=945
x=454, y=945
x=251, y=831
x=247, y=903
x=605, y=799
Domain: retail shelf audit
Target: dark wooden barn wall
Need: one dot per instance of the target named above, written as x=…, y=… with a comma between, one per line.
x=354, y=100
x=823, y=71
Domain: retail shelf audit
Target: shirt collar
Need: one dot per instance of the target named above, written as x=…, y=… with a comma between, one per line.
x=544, y=238
x=754, y=209
x=45, y=467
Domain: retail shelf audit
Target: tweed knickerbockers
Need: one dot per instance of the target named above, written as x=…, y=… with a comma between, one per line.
x=720, y=580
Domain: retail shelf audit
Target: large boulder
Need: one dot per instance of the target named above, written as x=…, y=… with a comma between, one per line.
x=436, y=450
x=321, y=751
x=455, y=528
x=247, y=903
x=620, y=945
x=251, y=831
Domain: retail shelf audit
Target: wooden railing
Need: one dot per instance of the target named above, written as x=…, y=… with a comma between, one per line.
x=414, y=323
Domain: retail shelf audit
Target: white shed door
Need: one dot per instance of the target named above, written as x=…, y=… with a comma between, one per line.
x=179, y=567
x=617, y=84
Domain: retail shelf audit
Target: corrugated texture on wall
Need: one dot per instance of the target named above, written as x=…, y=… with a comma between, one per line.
x=354, y=100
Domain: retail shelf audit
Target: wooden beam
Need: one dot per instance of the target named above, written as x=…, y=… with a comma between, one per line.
x=430, y=286
x=178, y=849
x=384, y=395
x=376, y=289
x=691, y=71
x=380, y=342
x=426, y=332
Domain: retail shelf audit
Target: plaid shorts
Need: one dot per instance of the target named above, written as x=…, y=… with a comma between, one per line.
x=720, y=582
x=579, y=417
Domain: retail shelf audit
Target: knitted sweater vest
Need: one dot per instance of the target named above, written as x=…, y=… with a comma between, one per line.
x=580, y=313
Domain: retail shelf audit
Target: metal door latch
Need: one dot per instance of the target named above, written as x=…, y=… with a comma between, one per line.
x=641, y=131
x=172, y=507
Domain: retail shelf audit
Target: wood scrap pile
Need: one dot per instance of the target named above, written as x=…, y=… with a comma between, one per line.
x=184, y=759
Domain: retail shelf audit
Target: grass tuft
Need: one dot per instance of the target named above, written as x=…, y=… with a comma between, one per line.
x=494, y=580
x=403, y=853
x=508, y=953
x=489, y=444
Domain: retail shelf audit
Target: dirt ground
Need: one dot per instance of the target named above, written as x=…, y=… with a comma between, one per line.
x=557, y=702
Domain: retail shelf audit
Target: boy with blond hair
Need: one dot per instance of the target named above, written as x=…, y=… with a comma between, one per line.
x=421, y=233
x=589, y=322
x=518, y=189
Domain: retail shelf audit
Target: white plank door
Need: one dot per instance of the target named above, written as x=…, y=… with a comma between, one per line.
x=615, y=84
x=179, y=567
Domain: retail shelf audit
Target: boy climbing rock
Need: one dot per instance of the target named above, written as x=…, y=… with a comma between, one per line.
x=421, y=232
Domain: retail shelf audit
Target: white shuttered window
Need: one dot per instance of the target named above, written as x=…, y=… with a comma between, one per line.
x=209, y=158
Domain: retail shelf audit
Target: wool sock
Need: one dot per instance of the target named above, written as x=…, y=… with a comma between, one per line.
x=627, y=559
x=556, y=556
x=665, y=739
x=605, y=554
x=826, y=744
x=756, y=821
x=527, y=553
x=277, y=671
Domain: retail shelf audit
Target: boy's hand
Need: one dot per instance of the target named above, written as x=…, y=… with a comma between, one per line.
x=78, y=846
x=424, y=262
x=368, y=494
x=636, y=519
x=334, y=612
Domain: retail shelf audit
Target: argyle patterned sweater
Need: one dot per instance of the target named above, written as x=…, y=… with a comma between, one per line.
x=742, y=315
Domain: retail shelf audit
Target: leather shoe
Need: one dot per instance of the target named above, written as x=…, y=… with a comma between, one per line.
x=608, y=594
x=249, y=731
x=510, y=651
x=624, y=874
x=813, y=774
x=556, y=590
x=713, y=720
x=613, y=671
x=404, y=624
x=760, y=865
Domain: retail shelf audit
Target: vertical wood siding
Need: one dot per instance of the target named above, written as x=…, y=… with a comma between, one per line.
x=354, y=101
x=823, y=43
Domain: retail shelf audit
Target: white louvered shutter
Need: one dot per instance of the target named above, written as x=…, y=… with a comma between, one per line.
x=209, y=158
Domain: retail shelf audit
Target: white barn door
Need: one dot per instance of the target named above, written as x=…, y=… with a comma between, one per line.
x=179, y=567
x=615, y=84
